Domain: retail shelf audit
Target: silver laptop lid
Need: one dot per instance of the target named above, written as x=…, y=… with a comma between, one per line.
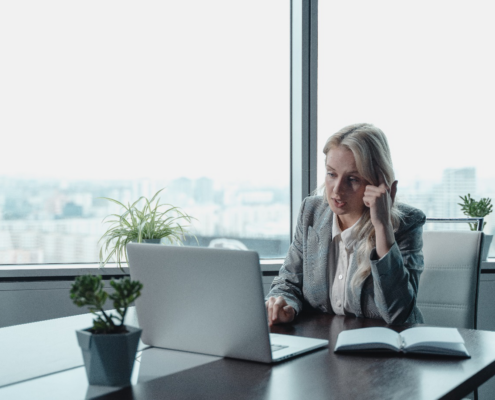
x=201, y=300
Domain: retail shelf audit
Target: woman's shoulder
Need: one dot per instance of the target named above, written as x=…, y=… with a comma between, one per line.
x=411, y=217
x=313, y=209
x=314, y=205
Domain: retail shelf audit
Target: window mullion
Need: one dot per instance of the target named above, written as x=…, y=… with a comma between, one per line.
x=304, y=75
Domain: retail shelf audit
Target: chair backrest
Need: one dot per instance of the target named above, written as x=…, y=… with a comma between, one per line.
x=448, y=286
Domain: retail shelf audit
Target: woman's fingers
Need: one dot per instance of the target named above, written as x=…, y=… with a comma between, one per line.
x=269, y=308
x=380, y=200
x=278, y=306
x=279, y=311
x=373, y=193
x=289, y=312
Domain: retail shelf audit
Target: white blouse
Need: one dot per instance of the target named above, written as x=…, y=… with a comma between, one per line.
x=340, y=257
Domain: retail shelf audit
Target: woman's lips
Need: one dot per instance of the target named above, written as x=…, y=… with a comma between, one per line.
x=339, y=204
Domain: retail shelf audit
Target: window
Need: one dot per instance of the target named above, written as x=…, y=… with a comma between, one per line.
x=423, y=73
x=118, y=99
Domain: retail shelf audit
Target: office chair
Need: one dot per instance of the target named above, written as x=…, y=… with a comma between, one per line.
x=448, y=286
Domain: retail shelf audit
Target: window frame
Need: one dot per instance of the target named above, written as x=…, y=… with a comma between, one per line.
x=304, y=107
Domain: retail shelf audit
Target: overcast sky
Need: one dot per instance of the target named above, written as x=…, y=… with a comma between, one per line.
x=118, y=89
x=121, y=89
x=421, y=71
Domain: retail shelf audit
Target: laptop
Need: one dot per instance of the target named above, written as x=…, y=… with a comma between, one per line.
x=207, y=301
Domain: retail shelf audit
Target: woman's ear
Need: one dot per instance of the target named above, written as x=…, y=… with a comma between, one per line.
x=393, y=190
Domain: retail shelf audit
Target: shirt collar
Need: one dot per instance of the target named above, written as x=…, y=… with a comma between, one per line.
x=348, y=236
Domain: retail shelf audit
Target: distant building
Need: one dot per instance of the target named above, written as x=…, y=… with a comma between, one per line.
x=72, y=210
x=204, y=191
x=455, y=182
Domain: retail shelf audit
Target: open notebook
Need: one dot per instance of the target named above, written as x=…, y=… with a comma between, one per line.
x=422, y=340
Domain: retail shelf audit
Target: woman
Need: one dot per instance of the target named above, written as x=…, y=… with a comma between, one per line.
x=355, y=251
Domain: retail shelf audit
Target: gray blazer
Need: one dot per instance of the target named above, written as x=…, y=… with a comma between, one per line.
x=389, y=293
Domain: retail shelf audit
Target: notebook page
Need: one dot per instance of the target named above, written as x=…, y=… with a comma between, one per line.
x=431, y=335
x=368, y=337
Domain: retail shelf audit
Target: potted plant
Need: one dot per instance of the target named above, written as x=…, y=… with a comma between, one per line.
x=481, y=208
x=152, y=223
x=108, y=347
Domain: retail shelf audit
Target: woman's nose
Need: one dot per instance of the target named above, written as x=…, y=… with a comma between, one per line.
x=337, y=189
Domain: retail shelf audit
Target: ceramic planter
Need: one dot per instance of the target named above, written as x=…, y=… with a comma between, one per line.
x=487, y=241
x=109, y=358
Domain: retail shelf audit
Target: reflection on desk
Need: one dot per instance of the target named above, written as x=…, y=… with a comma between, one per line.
x=150, y=364
x=40, y=348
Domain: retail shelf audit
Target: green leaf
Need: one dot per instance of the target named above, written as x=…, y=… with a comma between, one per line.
x=88, y=290
x=472, y=208
x=143, y=219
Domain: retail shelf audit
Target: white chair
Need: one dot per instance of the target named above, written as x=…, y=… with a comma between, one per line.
x=448, y=286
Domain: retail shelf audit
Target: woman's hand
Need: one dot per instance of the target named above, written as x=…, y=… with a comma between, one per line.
x=380, y=199
x=279, y=311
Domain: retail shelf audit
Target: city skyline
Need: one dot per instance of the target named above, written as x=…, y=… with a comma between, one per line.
x=61, y=221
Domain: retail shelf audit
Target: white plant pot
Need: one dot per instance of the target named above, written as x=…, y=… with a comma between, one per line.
x=485, y=248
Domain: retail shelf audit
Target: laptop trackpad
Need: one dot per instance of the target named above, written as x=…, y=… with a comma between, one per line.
x=288, y=345
x=276, y=347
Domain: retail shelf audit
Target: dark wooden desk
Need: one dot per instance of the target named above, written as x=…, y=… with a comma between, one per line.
x=323, y=374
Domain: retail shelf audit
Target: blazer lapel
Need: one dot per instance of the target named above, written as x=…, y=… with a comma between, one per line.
x=324, y=232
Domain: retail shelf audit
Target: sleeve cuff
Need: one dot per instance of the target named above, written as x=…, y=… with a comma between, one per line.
x=385, y=265
x=374, y=254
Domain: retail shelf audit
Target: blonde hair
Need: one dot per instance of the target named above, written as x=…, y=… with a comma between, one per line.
x=370, y=148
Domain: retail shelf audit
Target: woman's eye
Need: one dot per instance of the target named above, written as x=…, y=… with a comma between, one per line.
x=331, y=174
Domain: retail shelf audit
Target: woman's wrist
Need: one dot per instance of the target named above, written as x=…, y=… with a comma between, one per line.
x=385, y=239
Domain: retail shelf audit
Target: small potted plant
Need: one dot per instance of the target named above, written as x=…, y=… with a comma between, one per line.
x=481, y=208
x=152, y=223
x=108, y=347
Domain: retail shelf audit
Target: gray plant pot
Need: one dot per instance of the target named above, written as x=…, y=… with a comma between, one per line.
x=487, y=241
x=109, y=358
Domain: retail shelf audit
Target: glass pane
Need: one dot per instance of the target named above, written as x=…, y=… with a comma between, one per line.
x=120, y=99
x=423, y=73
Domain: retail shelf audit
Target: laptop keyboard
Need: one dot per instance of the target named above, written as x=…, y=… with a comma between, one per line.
x=276, y=347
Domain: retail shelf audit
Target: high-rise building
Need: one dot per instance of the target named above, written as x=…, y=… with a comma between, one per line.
x=456, y=182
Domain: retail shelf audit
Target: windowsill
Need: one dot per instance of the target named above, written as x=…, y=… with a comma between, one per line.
x=72, y=270
x=488, y=264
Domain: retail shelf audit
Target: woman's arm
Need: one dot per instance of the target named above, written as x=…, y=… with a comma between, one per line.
x=397, y=260
x=288, y=283
x=396, y=275
x=380, y=199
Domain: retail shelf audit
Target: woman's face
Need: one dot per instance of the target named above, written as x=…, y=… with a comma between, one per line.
x=344, y=186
